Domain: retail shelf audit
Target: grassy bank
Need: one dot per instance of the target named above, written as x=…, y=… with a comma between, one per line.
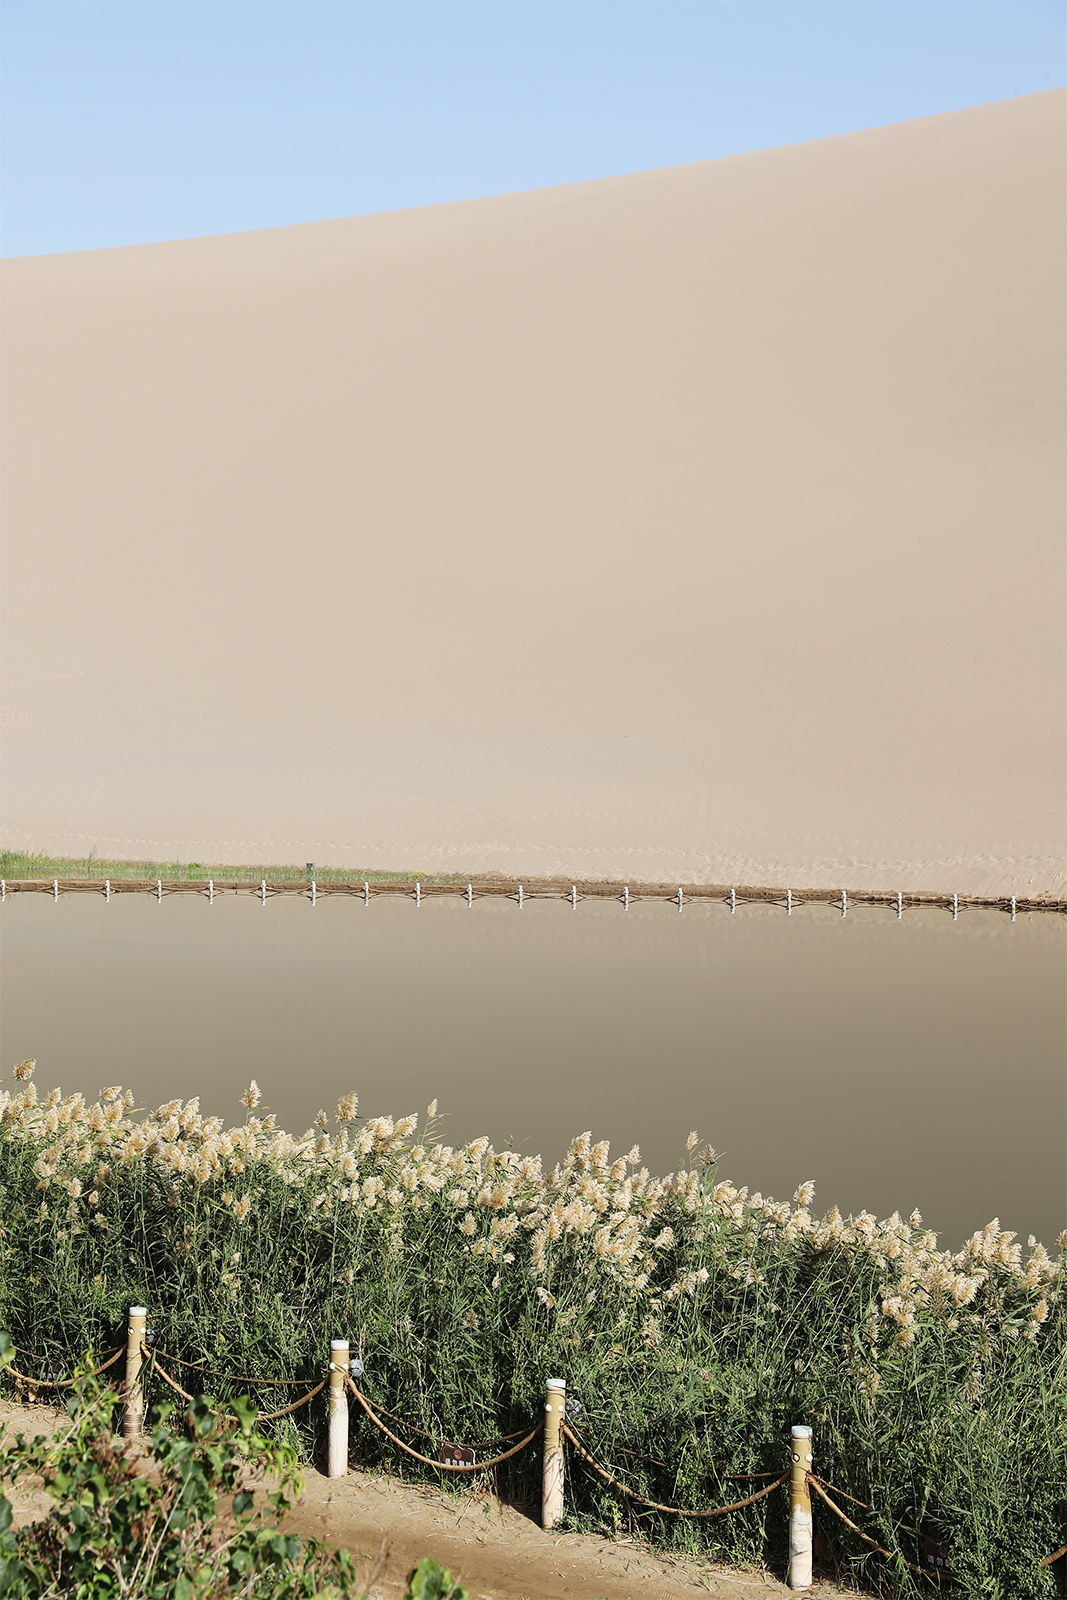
x=693, y=1321
x=16, y=864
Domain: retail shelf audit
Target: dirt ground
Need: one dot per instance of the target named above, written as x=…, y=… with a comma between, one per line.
x=498, y=1551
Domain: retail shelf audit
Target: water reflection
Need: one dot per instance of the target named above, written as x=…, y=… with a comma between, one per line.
x=914, y=1062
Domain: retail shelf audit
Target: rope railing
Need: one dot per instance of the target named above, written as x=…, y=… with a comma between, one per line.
x=229, y=1377
x=439, y=1466
x=656, y=1505
x=844, y=1494
x=152, y=1356
x=144, y=1361
x=66, y=1383
x=814, y=1483
x=482, y=1444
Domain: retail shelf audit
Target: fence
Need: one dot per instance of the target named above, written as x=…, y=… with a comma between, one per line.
x=144, y=1360
x=419, y=889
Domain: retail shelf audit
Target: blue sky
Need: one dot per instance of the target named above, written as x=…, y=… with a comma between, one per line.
x=134, y=120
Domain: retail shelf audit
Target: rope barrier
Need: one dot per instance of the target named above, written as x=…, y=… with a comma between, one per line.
x=155, y=1367
x=269, y=1416
x=813, y=1483
x=484, y=1444
x=727, y=1477
x=441, y=1466
x=229, y=1377
x=863, y=1505
x=66, y=1383
x=261, y=1416
x=1055, y=1556
x=656, y=1505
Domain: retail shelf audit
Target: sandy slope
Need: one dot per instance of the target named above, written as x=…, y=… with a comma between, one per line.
x=703, y=525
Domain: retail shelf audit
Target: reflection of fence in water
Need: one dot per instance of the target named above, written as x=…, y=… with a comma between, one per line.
x=419, y=889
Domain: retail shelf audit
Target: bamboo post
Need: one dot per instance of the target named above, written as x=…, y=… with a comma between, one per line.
x=1013, y=908
x=679, y=899
x=263, y=891
x=418, y=892
x=55, y=888
x=159, y=891
x=520, y=896
x=626, y=898
x=470, y=897
x=955, y=907
x=552, y=1472
x=733, y=901
x=900, y=905
x=574, y=897
x=107, y=889
x=3, y=888
x=133, y=1412
x=844, y=902
x=312, y=891
x=789, y=902
x=366, y=894
x=800, y=1525
x=337, y=1447
x=211, y=891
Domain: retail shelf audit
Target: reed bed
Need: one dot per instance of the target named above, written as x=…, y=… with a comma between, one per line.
x=694, y=1321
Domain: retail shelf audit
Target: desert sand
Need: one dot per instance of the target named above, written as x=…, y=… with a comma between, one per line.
x=701, y=525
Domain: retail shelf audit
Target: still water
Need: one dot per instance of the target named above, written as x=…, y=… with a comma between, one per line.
x=904, y=1063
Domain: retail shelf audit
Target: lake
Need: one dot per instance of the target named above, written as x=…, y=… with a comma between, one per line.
x=899, y=1063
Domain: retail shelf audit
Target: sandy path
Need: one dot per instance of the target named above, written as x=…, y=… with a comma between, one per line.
x=702, y=525
x=500, y=1553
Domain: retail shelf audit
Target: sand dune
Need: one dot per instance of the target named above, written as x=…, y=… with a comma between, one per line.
x=704, y=524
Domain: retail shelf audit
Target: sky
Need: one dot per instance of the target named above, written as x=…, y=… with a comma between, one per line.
x=135, y=120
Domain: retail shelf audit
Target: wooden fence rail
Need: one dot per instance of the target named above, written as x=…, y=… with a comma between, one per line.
x=419, y=889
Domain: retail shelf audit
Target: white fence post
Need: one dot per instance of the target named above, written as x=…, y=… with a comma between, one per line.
x=552, y=1471
x=133, y=1411
x=337, y=1448
x=800, y=1524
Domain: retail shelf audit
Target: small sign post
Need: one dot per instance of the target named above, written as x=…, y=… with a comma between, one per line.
x=936, y=1559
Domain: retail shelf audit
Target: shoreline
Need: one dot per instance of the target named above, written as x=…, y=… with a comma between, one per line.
x=417, y=885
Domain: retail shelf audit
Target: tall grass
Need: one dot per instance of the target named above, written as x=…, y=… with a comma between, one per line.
x=693, y=1321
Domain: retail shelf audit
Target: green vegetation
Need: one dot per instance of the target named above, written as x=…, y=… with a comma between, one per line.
x=693, y=1322
x=114, y=1531
x=16, y=864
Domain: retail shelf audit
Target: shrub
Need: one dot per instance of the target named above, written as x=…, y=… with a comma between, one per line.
x=115, y=1532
